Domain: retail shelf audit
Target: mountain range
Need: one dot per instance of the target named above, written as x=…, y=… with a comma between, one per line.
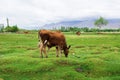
x=112, y=24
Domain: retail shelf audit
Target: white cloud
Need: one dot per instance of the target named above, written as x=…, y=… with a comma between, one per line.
x=39, y=12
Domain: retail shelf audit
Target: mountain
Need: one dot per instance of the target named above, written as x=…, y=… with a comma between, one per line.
x=112, y=24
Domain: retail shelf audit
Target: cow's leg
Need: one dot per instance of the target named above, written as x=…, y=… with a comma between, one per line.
x=41, y=50
x=57, y=51
x=45, y=51
x=60, y=52
x=45, y=44
x=48, y=50
x=40, y=46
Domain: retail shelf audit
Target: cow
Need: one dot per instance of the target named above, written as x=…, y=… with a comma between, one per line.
x=78, y=33
x=53, y=39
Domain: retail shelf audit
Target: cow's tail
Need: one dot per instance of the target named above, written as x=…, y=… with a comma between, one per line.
x=39, y=38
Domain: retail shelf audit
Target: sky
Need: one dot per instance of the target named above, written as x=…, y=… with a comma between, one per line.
x=26, y=13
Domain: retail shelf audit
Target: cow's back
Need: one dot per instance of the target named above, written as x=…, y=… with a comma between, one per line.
x=58, y=39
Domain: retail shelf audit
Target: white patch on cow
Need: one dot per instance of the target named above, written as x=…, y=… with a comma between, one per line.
x=45, y=42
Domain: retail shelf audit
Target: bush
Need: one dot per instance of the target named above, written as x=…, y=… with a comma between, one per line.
x=15, y=29
x=11, y=29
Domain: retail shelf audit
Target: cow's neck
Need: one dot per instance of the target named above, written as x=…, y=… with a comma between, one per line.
x=64, y=46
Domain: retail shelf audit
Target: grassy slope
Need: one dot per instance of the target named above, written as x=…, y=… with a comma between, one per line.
x=96, y=57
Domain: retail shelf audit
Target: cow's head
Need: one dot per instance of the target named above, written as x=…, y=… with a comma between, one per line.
x=66, y=51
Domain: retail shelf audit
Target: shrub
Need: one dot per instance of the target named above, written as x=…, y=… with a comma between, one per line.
x=11, y=29
x=15, y=28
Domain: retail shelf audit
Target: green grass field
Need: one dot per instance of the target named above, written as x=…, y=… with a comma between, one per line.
x=91, y=57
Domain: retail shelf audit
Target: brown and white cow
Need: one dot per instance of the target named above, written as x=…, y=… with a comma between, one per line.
x=53, y=39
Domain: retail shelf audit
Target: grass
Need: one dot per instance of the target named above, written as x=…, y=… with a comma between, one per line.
x=91, y=57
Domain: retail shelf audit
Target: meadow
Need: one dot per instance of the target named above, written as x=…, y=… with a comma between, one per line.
x=92, y=57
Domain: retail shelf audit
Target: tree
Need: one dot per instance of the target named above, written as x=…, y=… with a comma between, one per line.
x=100, y=22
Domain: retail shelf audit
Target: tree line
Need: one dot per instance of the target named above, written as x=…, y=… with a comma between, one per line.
x=86, y=29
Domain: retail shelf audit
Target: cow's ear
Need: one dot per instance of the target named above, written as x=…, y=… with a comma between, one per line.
x=69, y=46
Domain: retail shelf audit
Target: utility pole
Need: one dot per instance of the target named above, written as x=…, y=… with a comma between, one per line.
x=7, y=22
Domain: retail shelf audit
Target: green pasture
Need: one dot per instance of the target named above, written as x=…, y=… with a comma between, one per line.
x=92, y=57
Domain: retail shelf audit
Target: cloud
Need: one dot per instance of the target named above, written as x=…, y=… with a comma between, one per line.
x=39, y=12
